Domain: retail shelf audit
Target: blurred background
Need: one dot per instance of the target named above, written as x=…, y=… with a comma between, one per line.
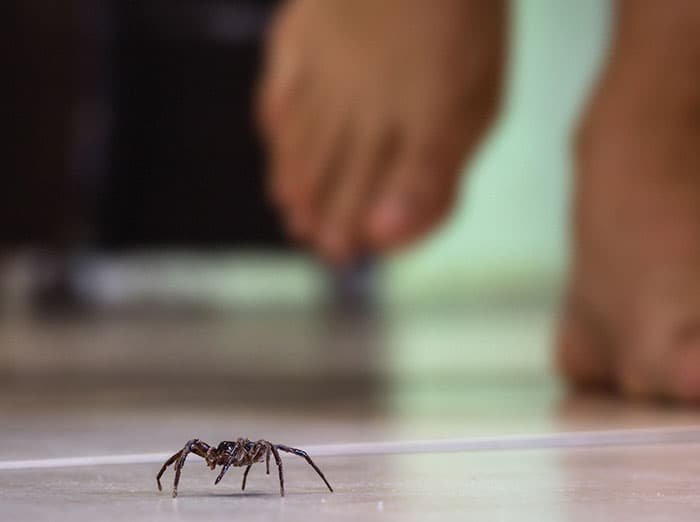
x=140, y=258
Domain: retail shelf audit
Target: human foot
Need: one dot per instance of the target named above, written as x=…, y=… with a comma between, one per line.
x=632, y=315
x=368, y=110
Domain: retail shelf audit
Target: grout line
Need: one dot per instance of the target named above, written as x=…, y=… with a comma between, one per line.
x=580, y=439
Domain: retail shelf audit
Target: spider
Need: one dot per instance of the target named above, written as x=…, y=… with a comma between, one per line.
x=241, y=452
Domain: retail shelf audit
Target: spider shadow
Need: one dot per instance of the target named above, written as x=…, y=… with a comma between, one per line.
x=236, y=494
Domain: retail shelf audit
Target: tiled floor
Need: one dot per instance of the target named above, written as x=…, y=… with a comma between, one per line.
x=658, y=482
x=640, y=483
x=612, y=484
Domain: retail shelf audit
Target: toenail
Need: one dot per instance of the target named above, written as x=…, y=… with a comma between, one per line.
x=389, y=218
x=333, y=244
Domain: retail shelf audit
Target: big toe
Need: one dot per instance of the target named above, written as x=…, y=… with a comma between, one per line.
x=413, y=202
x=583, y=350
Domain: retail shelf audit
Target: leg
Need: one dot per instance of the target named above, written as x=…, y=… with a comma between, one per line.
x=167, y=463
x=236, y=446
x=224, y=469
x=245, y=476
x=305, y=456
x=632, y=319
x=267, y=460
x=193, y=446
x=278, y=461
x=261, y=446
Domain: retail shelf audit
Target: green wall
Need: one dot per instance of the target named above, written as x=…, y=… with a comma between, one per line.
x=508, y=233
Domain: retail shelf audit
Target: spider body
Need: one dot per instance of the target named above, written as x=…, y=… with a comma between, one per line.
x=238, y=453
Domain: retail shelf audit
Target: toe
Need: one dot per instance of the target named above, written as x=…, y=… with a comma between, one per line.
x=583, y=351
x=416, y=196
x=323, y=160
x=661, y=356
x=340, y=235
x=683, y=382
x=678, y=364
x=288, y=149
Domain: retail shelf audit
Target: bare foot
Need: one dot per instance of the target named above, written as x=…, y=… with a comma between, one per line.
x=632, y=317
x=369, y=108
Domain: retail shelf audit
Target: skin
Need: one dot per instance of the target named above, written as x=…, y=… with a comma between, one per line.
x=369, y=110
x=632, y=316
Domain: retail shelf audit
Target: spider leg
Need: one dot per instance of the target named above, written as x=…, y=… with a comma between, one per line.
x=165, y=466
x=193, y=446
x=278, y=461
x=245, y=476
x=260, y=447
x=267, y=460
x=233, y=457
x=224, y=469
x=305, y=456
